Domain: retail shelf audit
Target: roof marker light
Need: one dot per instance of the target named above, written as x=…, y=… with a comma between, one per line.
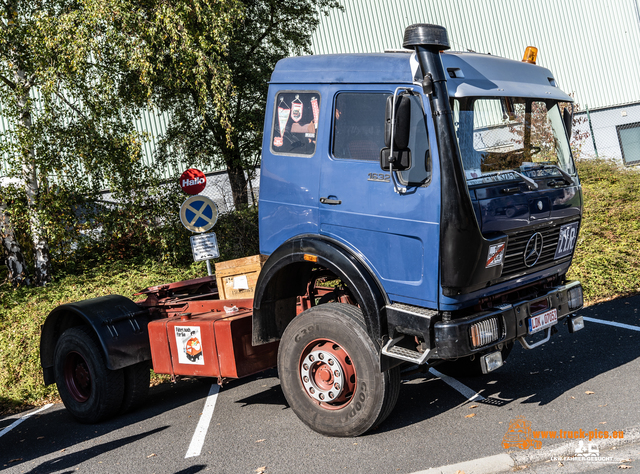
x=530, y=55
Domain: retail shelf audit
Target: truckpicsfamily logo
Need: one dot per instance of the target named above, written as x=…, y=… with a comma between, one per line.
x=521, y=435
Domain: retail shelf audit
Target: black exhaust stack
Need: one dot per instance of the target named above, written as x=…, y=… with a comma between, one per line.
x=463, y=250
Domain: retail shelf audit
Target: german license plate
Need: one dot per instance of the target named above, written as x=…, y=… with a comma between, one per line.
x=542, y=321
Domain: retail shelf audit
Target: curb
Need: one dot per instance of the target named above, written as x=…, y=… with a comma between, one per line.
x=505, y=462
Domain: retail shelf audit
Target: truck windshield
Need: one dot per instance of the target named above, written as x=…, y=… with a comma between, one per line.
x=507, y=138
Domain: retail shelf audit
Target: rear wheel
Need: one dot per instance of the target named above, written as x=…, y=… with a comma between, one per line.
x=90, y=391
x=330, y=372
x=136, y=385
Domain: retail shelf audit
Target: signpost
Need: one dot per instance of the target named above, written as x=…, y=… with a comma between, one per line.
x=199, y=214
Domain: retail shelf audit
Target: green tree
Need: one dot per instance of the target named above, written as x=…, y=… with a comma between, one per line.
x=198, y=133
x=74, y=76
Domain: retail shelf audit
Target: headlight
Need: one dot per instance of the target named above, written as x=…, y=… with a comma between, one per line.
x=575, y=298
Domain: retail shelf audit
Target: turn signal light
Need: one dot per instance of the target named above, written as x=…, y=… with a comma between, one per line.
x=310, y=258
x=530, y=55
x=485, y=332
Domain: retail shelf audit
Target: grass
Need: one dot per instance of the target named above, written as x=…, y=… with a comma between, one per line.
x=607, y=257
x=23, y=311
x=607, y=262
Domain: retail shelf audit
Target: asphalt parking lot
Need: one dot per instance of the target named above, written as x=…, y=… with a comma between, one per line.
x=584, y=381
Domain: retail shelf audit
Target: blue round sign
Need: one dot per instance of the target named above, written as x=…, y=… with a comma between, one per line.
x=198, y=213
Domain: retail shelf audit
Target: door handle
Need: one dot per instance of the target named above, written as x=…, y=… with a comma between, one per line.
x=333, y=202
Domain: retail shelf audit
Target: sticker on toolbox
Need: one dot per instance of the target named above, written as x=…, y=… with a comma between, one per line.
x=189, y=342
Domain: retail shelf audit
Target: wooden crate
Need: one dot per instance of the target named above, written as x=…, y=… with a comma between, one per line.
x=237, y=278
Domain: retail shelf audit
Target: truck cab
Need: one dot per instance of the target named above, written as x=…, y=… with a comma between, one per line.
x=437, y=187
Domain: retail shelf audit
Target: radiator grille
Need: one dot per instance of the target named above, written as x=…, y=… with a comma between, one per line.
x=514, y=257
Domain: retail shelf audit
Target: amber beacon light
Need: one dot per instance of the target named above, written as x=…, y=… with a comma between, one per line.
x=530, y=55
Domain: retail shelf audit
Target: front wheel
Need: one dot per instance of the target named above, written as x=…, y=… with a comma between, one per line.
x=330, y=372
x=90, y=391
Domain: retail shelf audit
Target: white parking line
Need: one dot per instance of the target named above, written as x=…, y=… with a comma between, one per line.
x=459, y=386
x=489, y=465
x=611, y=323
x=195, y=448
x=22, y=418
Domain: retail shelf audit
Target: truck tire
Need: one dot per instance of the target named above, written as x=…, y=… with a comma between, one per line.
x=136, y=385
x=329, y=370
x=465, y=367
x=90, y=391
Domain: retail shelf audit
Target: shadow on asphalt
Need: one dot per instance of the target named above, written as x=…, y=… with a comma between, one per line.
x=567, y=360
x=73, y=459
x=536, y=376
x=271, y=396
x=24, y=443
x=192, y=469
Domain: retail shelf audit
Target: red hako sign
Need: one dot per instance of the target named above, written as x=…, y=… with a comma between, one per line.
x=193, y=181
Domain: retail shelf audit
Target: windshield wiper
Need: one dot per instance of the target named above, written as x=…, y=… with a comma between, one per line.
x=567, y=177
x=499, y=173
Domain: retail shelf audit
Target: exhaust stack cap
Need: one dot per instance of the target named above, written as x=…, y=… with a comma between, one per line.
x=429, y=36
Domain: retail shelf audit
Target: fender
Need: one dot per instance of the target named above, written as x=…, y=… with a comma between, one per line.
x=284, y=277
x=119, y=324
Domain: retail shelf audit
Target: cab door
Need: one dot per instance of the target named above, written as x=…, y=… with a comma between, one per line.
x=395, y=234
x=290, y=164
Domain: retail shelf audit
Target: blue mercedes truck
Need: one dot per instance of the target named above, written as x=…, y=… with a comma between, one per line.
x=418, y=208
x=439, y=190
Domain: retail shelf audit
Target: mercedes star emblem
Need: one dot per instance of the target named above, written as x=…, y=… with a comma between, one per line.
x=533, y=250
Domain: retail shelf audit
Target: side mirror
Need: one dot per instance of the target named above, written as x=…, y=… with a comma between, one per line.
x=403, y=122
x=567, y=118
x=401, y=158
x=401, y=161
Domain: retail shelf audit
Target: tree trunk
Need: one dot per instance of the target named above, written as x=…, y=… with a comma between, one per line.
x=42, y=265
x=12, y=252
x=238, y=182
x=238, y=187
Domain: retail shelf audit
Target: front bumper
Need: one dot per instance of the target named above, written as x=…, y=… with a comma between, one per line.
x=453, y=339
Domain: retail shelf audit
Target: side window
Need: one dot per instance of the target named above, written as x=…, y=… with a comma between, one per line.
x=295, y=124
x=358, y=126
x=358, y=132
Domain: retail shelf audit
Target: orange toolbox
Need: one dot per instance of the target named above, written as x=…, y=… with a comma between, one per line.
x=206, y=340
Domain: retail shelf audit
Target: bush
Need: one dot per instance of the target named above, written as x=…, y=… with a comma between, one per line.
x=606, y=258
x=130, y=255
